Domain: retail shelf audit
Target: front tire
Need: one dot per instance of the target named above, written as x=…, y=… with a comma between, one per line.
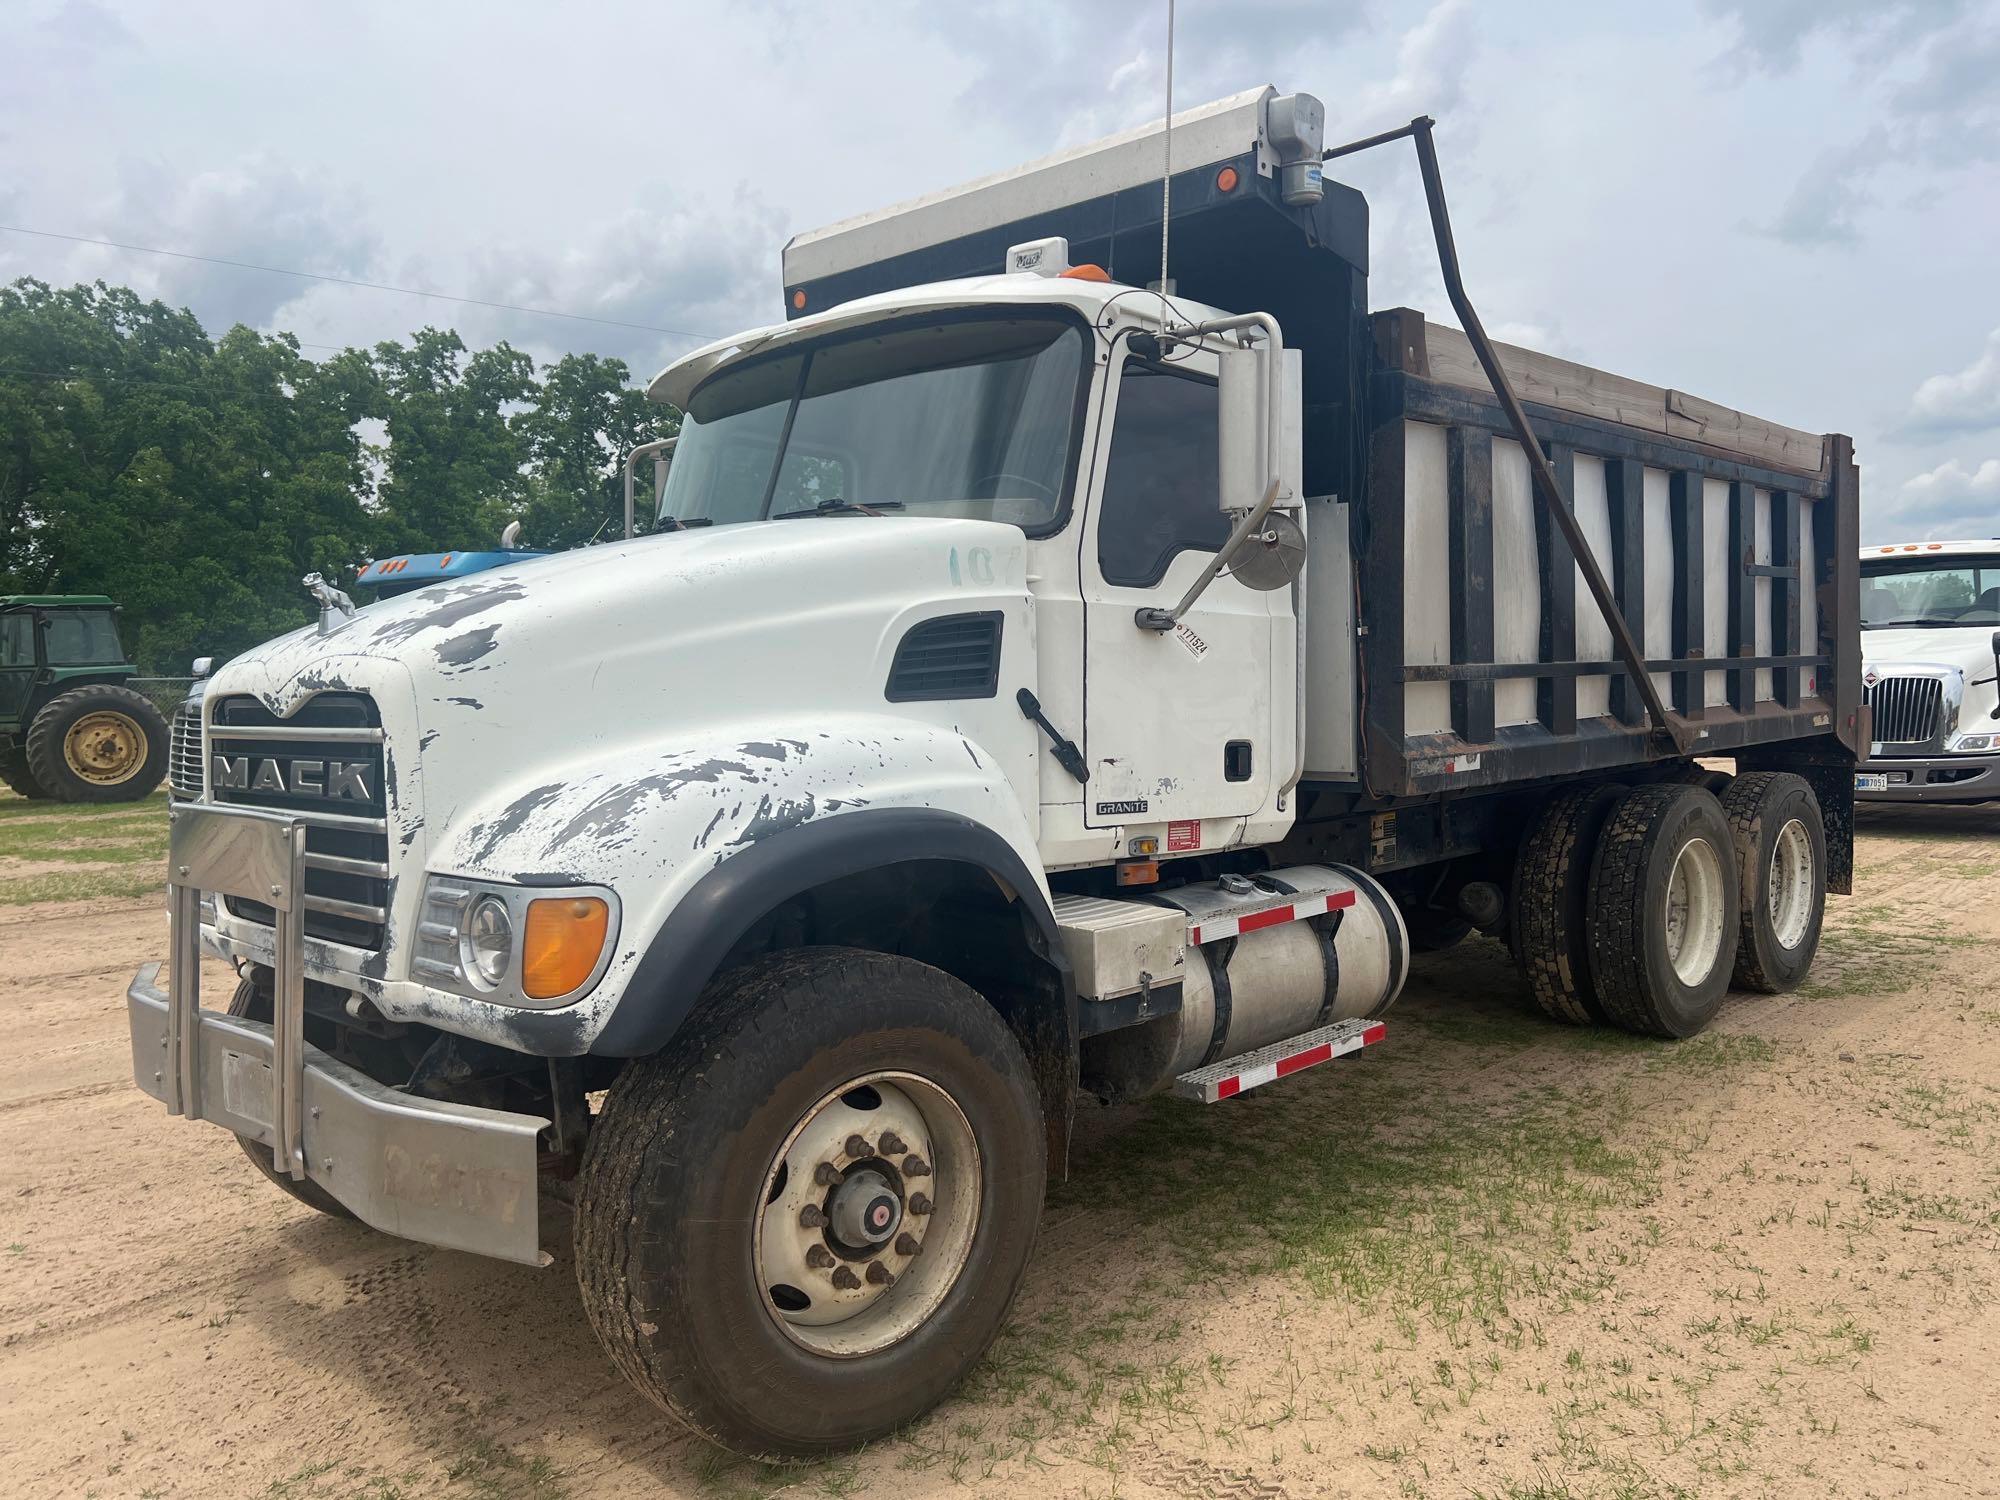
x=804, y=1221
x=1781, y=857
x=100, y=743
x=1663, y=910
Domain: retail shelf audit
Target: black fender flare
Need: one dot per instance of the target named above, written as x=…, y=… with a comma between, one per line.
x=675, y=969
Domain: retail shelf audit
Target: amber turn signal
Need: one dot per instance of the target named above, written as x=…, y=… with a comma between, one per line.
x=565, y=935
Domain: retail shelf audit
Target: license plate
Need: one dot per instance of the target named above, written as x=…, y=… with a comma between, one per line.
x=1870, y=781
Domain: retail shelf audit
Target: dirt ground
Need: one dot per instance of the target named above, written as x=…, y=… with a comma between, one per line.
x=1492, y=1256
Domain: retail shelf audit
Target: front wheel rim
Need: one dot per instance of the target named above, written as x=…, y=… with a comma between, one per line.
x=868, y=1216
x=1695, y=918
x=1791, y=882
x=104, y=748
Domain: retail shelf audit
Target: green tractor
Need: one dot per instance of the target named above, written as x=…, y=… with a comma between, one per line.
x=70, y=728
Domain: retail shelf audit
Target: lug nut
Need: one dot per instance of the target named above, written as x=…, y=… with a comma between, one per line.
x=825, y=1175
x=891, y=1144
x=907, y=1244
x=818, y=1257
x=919, y=1204
x=812, y=1216
x=916, y=1166
x=858, y=1146
x=845, y=1280
x=880, y=1274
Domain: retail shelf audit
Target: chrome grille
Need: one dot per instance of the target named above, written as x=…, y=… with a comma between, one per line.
x=184, y=752
x=1908, y=710
x=347, y=843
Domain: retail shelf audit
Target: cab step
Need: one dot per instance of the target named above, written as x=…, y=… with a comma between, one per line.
x=1235, y=1075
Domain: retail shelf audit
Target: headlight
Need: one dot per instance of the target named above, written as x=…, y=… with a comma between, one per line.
x=1965, y=742
x=511, y=944
x=487, y=943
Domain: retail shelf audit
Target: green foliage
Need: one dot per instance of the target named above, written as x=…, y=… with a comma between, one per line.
x=195, y=480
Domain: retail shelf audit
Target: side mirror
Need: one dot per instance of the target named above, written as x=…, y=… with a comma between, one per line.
x=203, y=665
x=1261, y=431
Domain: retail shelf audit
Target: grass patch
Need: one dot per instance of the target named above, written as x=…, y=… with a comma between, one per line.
x=93, y=885
x=14, y=808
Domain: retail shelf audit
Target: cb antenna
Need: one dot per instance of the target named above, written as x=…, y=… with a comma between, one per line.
x=1167, y=170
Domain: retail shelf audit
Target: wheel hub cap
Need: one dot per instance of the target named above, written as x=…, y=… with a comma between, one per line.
x=865, y=1209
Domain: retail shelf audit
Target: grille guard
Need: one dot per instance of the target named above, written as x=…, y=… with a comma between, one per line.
x=443, y=1173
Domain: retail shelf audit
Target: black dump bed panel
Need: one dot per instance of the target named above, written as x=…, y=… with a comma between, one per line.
x=1731, y=544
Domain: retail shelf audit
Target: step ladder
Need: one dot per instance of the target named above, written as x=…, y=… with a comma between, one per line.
x=1235, y=1075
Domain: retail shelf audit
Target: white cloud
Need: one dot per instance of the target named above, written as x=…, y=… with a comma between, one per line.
x=1966, y=400
x=1948, y=501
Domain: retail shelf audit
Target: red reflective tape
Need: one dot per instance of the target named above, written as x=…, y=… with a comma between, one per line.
x=1339, y=900
x=1374, y=1034
x=1227, y=1088
x=1271, y=918
x=1305, y=1059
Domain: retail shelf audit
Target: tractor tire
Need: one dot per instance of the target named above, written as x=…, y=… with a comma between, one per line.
x=1550, y=930
x=1663, y=911
x=100, y=743
x=754, y=1199
x=254, y=1003
x=1781, y=857
x=16, y=776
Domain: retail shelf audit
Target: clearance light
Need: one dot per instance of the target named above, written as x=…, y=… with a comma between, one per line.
x=1086, y=273
x=1226, y=179
x=799, y=299
x=564, y=938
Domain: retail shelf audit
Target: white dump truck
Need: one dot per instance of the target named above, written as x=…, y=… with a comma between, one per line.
x=1046, y=678
x=1930, y=651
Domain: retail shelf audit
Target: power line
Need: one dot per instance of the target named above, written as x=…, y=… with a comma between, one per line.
x=372, y=286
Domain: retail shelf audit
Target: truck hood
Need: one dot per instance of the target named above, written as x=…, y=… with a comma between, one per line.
x=1969, y=648
x=651, y=600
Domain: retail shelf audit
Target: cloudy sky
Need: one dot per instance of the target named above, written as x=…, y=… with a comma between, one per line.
x=1790, y=206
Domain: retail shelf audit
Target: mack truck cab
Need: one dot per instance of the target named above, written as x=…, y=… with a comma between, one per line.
x=1038, y=682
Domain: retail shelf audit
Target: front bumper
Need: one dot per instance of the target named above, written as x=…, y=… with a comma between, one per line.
x=1944, y=778
x=424, y=1169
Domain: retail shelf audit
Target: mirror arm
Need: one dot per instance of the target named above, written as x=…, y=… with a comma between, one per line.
x=661, y=445
x=1152, y=617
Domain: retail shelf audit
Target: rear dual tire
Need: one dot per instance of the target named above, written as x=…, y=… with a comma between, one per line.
x=1638, y=906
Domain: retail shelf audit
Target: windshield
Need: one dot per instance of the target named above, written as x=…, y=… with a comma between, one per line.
x=960, y=417
x=1962, y=591
x=82, y=638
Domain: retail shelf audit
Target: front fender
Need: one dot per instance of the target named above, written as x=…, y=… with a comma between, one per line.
x=699, y=843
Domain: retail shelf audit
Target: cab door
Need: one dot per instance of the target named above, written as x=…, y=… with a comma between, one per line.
x=1179, y=725
x=17, y=662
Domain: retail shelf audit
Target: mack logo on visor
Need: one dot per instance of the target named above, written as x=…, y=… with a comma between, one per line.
x=331, y=779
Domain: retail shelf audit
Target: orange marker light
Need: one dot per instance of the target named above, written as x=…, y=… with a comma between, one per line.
x=1225, y=180
x=1086, y=273
x=565, y=935
x=799, y=299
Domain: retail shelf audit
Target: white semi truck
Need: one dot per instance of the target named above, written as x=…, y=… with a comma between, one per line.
x=1038, y=683
x=1930, y=649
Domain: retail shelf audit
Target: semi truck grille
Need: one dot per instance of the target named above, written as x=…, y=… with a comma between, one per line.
x=324, y=763
x=1908, y=710
x=184, y=752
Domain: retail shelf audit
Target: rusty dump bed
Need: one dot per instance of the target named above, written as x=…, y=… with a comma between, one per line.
x=1730, y=543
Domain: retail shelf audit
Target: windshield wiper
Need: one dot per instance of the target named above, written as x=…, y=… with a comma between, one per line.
x=839, y=507
x=676, y=523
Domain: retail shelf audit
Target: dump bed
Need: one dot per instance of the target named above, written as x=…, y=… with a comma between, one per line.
x=1729, y=541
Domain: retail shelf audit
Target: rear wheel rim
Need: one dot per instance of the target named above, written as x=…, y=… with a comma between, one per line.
x=105, y=748
x=869, y=1212
x=1695, y=919
x=1790, y=882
